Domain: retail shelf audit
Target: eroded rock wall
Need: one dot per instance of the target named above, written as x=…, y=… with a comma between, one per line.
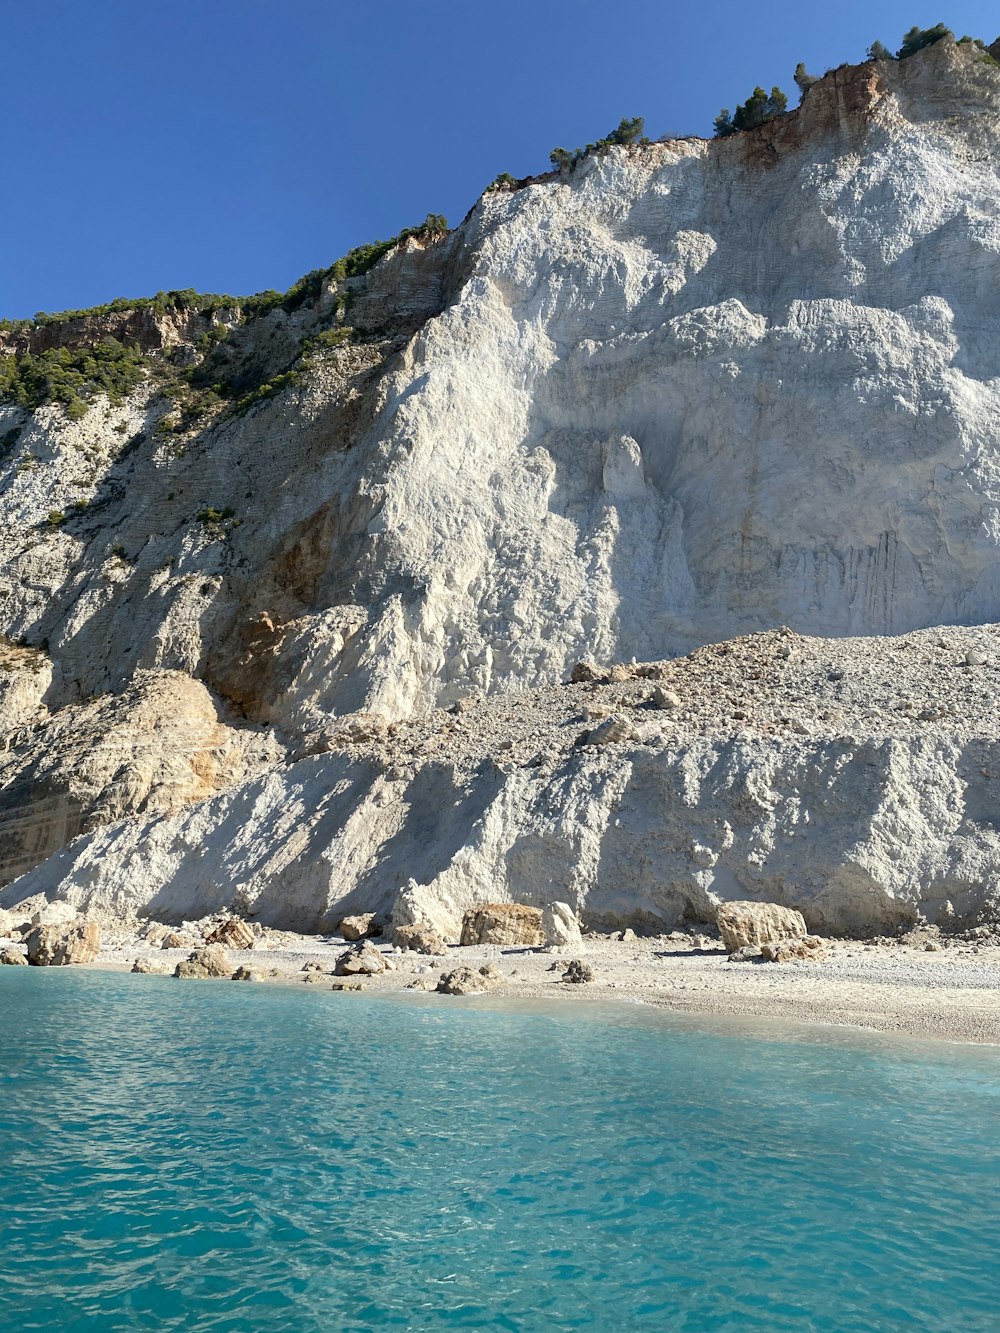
x=675, y=394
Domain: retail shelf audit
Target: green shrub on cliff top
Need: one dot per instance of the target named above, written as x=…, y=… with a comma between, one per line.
x=628, y=133
x=352, y=265
x=162, y=303
x=917, y=38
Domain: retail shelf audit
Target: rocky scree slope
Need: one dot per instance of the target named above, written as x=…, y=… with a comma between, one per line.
x=675, y=394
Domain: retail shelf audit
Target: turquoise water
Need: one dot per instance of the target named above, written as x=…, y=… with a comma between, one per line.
x=209, y=1156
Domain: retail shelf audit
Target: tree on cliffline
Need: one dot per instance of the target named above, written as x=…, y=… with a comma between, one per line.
x=758, y=109
x=917, y=38
x=627, y=135
x=803, y=79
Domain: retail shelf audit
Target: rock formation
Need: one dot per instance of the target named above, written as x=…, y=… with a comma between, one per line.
x=363, y=959
x=677, y=396
x=419, y=939
x=561, y=928
x=60, y=946
x=502, y=923
x=744, y=924
x=212, y=961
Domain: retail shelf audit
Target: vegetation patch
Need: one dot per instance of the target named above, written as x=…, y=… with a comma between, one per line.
x=628, y=134
x=354, y=264
x=758, y=109
x=761, y=107
x=212, y=517
x=917, y=38
x=162, y=303
x=72, y=376
x=269, y=389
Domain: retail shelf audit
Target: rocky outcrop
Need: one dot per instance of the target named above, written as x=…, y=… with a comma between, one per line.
x=176, y=939
x=156, y=747
x=743, y=924
x=853, y=780
x=417, y=905
x=146, y=967
x=503, y=923
x=233, y=932
x=60, y=946
x=805, y=948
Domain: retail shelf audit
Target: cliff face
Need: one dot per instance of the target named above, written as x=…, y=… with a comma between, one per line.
x=680, y=393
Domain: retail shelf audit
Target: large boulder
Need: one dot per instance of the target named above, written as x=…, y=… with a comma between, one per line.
x=233, y=932
x=420, y=938
x=468, y=981
x=8, y=924
x=561, y=927
x=587, y=671
x=418, y=905
x=807, y=948
x=59, y=946
x=146, y=967
x=212, y=961
x=54, y=914
x=503, y=923
x=177, y=939
x=12, y=958
x=362, y=927
x=742, y=924
x=363, y=959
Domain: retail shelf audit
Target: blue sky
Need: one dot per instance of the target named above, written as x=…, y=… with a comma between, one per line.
x=231, y=145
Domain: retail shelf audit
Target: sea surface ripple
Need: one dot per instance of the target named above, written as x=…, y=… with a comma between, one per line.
x=206, y=1156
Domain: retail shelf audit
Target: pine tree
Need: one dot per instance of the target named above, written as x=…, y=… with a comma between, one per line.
x=803, y=79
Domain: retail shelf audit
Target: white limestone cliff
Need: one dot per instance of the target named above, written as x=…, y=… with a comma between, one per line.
x=676, y=394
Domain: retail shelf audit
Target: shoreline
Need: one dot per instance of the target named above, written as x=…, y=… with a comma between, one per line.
x=950, y=994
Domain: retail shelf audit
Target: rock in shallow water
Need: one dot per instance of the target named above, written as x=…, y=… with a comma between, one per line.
x=212, y=961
